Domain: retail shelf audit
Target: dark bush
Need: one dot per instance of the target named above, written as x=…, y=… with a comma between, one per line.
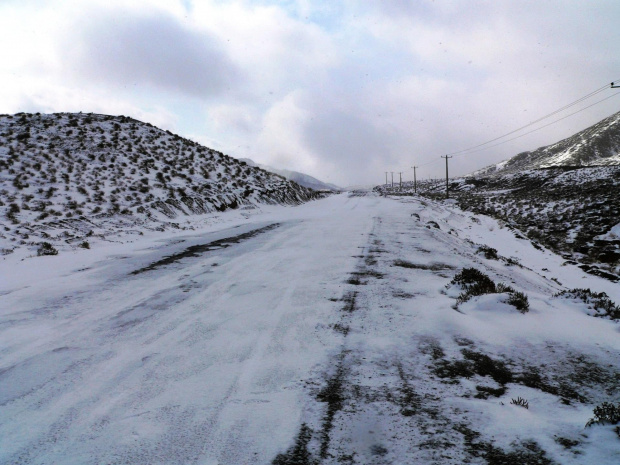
x=606, y=413
x=469, y=277
x=596, y=300
x=486, y=366
x=519, y=301
x=475, y=283
x=488, y=252
x=46, y=249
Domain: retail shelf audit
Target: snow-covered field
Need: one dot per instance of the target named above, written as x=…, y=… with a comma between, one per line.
x=323, y=333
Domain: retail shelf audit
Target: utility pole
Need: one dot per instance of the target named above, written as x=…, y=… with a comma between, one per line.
x=415, y=188
x=392, y=178
x=386, y=178
x=446, y=157
x=400, y=184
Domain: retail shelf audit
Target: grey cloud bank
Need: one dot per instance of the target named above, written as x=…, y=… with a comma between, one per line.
x=155, y=50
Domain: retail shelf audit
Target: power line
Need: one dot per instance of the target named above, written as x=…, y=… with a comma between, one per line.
x=565, y=107
x=458, y=154
x=481, y=147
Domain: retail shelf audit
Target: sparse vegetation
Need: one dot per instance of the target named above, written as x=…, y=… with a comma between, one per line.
x=475, y=283
x=565, y=209
x=473, y=363
x=489, y=252
x=600, y=302
x=65, y=166
x=606, y=414
x=519, y=301
x=521, y=402
x=45, y=248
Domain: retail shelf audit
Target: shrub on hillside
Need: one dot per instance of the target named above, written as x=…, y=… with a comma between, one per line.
x=606, y=414
x=519, y=301
x=489, y=252
x=598, y=301
x=46, y=249
x=476, y=283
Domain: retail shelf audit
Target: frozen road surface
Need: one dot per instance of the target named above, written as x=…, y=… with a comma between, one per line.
x=325, y=333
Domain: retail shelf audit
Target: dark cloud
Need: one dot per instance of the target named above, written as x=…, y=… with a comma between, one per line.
x=154, y=50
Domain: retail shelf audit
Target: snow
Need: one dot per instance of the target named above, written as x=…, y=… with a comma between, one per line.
x=75, y=176
x=612, y=235
x=219, y=358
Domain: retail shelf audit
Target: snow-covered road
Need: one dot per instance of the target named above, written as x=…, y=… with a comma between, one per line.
x=313, y=332
x=200, y=358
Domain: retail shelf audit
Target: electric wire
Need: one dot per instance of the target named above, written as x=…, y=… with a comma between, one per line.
x=458, y=154
x=481, y=147
x=565, y=107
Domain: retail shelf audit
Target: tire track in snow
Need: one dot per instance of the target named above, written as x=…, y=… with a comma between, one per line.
x=334, y=393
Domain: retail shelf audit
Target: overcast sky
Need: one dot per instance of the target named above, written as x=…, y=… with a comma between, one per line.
x=343, y=91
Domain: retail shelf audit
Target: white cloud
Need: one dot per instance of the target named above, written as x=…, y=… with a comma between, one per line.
x=280, y=142
x=341, y=90
x=281, y=52
x=36, y=95
x=239, y=119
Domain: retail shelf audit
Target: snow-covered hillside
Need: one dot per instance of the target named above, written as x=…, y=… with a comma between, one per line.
x=65, y=178
x=595, y=146
x=573, y=211
x=347, y=330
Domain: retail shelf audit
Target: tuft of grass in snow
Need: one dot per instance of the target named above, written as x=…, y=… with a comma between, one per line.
x=474, y=283
x=519, y=301
x=521, y=402
x=598, y=301
x=489, y=252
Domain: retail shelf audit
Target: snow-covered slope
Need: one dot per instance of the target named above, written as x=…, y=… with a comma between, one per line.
x=66, y=177
x=271, y=339
x=597, y=145
x=300, y=178
x=573, y=211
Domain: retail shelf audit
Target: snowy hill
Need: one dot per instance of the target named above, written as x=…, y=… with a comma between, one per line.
x=418, y=334
x=573, y=211
x=67, y=177
x=295, y=176
x=597, y=145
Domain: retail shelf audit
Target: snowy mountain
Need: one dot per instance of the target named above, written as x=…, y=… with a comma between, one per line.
x=67, y=177
x=295, y=176
x=418, y=334
x=597, y=145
